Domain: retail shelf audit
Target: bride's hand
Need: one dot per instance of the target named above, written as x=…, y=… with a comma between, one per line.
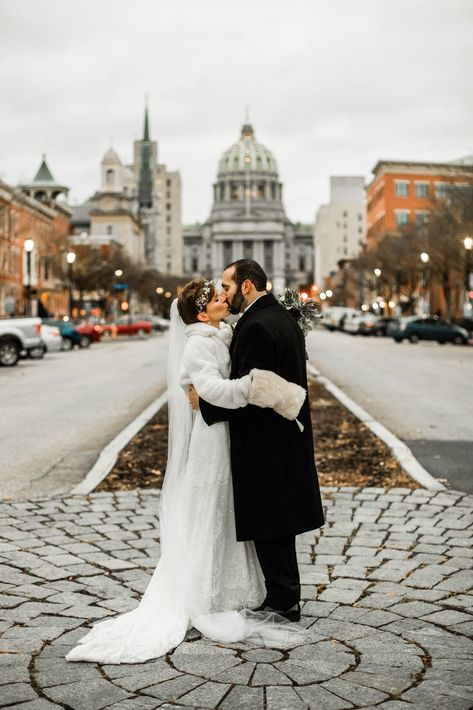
x=193, y=397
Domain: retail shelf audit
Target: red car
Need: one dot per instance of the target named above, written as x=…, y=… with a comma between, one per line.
x=90, y=331
x=124, y=327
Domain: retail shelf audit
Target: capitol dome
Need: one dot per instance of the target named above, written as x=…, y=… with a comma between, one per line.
x=247, y=156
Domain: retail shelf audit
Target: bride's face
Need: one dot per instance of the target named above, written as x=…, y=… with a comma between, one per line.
x=217, y=307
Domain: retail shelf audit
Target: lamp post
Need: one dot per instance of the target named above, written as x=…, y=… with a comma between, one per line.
x=425, y=258
x=70, y=258
x=377, y=273
x=29, y=246
x=468, y=244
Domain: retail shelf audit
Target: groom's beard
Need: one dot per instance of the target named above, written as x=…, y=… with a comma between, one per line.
x=235, y=307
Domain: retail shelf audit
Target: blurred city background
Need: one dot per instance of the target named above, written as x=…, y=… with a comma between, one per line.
x=143, y=144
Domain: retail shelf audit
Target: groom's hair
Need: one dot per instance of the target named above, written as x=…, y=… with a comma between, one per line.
x=251, y=270
x=187, y=300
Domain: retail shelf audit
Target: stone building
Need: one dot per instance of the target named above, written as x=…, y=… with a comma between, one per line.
x=138, y=206
x=248, y=220
x=340, y=227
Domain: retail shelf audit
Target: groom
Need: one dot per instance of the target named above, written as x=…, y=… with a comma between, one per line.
x=276, y=491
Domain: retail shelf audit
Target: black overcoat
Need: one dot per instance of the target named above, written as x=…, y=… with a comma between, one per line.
x=275, y=485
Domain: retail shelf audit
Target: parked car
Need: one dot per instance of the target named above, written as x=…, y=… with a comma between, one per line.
x=158, y=323
x=360, y=325
x=415, y=328
x=17, y=336
x=90, y=332
x=52, y=338
x=70, y=335
x=127, y=326
x=383, y=324
x=333, y=315
x=345, y=320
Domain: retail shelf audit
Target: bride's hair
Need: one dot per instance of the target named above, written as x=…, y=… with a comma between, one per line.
x=192, y=293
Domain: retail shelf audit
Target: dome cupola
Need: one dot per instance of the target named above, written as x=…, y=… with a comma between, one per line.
x=247, y=156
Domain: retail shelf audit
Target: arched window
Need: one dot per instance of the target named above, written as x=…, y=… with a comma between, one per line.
x=109, y=177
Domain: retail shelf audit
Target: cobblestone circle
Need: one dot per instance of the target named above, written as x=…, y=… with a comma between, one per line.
x=388, y=603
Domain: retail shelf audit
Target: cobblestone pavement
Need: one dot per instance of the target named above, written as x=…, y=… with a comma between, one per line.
x=387, y=590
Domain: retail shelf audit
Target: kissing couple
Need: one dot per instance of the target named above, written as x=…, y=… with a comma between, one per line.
x=240, y=480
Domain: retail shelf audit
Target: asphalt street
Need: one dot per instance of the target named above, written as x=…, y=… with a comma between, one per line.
x=423, y=393
x=58, y=413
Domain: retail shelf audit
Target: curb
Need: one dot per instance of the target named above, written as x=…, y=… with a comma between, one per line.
x=109, y=454
x=398, y=449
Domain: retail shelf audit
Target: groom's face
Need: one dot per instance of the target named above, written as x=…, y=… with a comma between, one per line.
x=235, y=298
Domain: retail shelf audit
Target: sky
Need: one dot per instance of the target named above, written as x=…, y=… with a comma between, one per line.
x=332, y=87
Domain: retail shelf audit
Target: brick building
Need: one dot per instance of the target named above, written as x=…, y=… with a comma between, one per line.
x=403, y=192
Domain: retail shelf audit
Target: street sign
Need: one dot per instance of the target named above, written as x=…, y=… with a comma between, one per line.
x=120, y=287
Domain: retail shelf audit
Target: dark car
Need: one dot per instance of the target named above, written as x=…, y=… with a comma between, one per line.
x=415, y=328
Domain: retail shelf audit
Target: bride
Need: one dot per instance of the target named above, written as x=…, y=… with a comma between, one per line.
x=204, y=576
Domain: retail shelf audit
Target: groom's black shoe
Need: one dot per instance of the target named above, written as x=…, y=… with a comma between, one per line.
x=292, y=614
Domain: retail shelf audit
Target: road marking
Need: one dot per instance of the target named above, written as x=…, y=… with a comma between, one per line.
x=109, y=454
x=398, y=449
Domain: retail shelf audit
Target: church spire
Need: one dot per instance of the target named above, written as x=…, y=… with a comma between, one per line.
x=146, y=129
x=145, y=179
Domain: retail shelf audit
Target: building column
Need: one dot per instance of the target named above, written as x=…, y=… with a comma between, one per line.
x=237, y=250
x=258, y=253
x=279, y=280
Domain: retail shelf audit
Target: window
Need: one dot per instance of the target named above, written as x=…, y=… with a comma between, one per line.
x=168, y=230
x=422, y=217
x=301, y=263
x=109, y=229
x=233, y=191
x=441, y=190
x=345, y=214
x=422, y=189
x=168, y=182
x=168, y=194
x=345, y=238
x=168, y=205
x=194, y=264
x=109, y=177
x=260, y=190
x=168, y=266
x=360, y=230
x=360, y=217
x=345, y=251
x=401, y=188
x=247, y=250
x=402, y=217
x=168, y=218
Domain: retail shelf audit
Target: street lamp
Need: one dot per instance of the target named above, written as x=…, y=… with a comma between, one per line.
x=329, y=293
x=377, y=273
x=425, y=258
x=29, y=246
x=70, y=258
x=468, y=244
x=118, y=272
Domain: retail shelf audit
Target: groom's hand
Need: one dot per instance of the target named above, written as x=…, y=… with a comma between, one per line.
x=193, y=397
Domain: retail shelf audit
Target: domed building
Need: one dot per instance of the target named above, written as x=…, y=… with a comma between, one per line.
x=248, y=221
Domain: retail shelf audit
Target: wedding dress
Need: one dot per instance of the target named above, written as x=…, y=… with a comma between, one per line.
x=204, y=576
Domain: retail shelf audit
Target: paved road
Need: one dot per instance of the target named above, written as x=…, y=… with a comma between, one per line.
x=57, y=414
x=423, y=393
x=386, y=592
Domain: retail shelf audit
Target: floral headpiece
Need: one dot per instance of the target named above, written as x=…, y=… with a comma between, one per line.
x=202, y=300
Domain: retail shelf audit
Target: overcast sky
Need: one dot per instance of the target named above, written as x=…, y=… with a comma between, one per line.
x=332, y=85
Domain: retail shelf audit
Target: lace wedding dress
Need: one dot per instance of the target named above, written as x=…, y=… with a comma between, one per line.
x=203, y=569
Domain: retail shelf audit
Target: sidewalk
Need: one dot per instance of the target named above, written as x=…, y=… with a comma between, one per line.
x=388, y=600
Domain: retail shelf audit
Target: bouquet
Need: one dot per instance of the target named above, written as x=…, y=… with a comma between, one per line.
x=305, y=311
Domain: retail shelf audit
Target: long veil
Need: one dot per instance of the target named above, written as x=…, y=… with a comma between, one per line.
x=172, y=601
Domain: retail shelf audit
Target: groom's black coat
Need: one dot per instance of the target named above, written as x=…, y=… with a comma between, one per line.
x=275, y=483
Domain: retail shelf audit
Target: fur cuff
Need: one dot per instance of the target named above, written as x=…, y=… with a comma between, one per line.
x=269, y=390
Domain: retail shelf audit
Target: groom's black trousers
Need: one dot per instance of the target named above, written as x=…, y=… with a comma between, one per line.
x=278, y=562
